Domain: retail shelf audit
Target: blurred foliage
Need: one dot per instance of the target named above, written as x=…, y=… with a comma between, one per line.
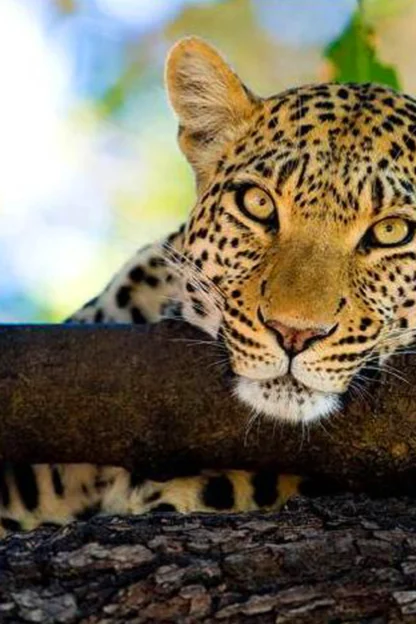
x=376, y=10
x=353, y=54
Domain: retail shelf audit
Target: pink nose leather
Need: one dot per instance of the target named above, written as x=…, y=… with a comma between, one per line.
x=293, y=339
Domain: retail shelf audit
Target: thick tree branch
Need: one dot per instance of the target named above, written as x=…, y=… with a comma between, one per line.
x=154, y=399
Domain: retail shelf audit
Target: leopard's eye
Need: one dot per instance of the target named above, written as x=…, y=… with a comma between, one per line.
x=256, y=204
x=391, y=232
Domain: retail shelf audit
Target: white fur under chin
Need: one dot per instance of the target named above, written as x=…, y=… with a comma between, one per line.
x=286, y=400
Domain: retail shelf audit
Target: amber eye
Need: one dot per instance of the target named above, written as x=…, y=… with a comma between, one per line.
x=391, y=232
x=256, y=204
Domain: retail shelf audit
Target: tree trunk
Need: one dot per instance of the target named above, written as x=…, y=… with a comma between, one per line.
x=156, y=400
x=347, y=559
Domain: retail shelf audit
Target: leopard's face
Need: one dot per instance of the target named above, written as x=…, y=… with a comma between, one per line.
x=300, y=252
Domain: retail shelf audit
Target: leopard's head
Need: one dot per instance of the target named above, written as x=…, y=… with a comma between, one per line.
x=300, y=252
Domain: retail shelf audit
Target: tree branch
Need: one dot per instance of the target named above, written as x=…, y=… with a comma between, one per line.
x=156, y=400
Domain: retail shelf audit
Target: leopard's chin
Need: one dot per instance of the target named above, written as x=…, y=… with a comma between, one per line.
x=286, y=399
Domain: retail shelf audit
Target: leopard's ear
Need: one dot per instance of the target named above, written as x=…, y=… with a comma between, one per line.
x=210, y=100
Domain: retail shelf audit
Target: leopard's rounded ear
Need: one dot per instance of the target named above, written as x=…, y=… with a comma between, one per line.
x=210, y=100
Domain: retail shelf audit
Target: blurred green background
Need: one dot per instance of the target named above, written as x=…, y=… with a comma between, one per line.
x=89, y=168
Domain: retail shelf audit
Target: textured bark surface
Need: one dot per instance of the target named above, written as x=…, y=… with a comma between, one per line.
x=338, y=560
x=157, y=400
x=154, y=399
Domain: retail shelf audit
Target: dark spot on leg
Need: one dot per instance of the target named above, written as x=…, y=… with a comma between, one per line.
x=137, y=274
x=137, y=316
x=89, y=512
x=26, y=484
x=265, y=488
x=135, y=479
x=10, y=525
x=123, y=296
x=58, y=486
x=151, y=281
x=163, y=507
x=152, y=498
x=100, y=482
x=218, y=493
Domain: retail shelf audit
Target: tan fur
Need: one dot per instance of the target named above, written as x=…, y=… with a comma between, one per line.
x=210, y=100
x=310, y=297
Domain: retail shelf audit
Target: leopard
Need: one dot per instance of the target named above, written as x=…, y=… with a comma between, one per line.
x=299, y=255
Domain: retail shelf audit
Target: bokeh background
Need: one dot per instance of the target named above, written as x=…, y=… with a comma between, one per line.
x=89, y=168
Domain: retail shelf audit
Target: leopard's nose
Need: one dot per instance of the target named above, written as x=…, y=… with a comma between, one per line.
x=294, y=340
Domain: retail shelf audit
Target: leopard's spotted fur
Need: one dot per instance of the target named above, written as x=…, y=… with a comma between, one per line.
x=304, y=300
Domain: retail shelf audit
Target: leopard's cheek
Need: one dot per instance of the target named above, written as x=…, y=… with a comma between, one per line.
x=406, y=315
x=387, y=292
x=254, y=359
x=203, y=312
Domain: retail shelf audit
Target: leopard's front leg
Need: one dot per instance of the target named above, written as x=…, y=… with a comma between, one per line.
x=145, y=290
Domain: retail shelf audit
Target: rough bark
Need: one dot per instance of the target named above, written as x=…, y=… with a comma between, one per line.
x=338, y=560
x=155, y=398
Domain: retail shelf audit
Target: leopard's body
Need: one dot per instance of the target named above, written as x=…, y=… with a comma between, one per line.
x=299, y=255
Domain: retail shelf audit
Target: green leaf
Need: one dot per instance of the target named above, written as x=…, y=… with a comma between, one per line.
x=354, y=59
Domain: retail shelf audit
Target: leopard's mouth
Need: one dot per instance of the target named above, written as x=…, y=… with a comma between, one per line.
x=282, y=373
x=275, y=380
x=286, y=399
x=286, y=379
